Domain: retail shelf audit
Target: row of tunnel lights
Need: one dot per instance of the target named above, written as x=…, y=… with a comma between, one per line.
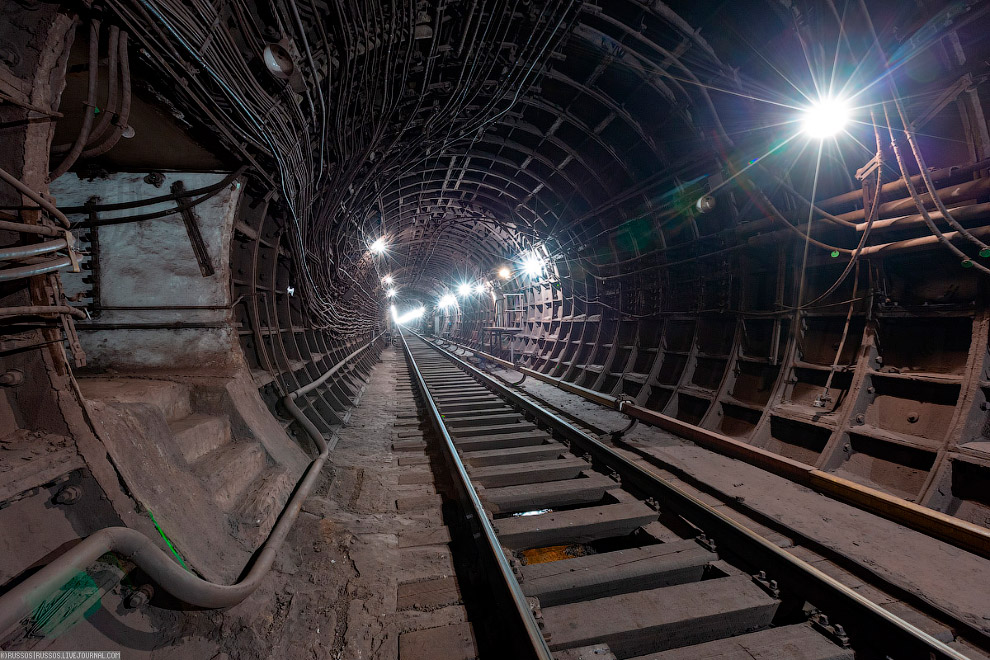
x=531, y=265
x=824, y=119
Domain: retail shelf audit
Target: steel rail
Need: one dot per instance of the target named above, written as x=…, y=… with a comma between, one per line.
x=131, y=544
x=858, y=614
x=536, y=644
x=958, y=532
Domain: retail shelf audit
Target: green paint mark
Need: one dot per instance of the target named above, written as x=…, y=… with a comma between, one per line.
x=96, y=110
x=834, y=253
x=167, y=542
x=985, y=252
x=967, y=263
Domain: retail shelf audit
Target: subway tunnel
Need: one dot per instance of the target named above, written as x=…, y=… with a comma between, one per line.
x=495, y=329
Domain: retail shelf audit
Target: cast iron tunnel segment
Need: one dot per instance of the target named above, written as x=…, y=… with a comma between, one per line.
x=591, y=552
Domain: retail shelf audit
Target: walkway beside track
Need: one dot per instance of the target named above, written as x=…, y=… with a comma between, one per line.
x=952, y=579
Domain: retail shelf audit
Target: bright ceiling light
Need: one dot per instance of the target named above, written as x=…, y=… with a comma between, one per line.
x=504, y=272
x=479, y=288
x=826, y=118
x=411, y=315
x=447, y=300
x=465, y=289
x=532, y=265
x=387, y=280
x=390, y=293
x=378, y=247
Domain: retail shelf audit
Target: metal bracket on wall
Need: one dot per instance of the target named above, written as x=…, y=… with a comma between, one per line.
x=195, y=236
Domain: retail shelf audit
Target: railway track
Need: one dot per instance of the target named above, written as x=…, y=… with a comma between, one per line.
x=590, y=555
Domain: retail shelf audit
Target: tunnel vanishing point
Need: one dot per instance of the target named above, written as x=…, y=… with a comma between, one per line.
x=454, y=329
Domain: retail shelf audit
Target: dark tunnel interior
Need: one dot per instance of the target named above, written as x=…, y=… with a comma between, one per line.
x=757, y=231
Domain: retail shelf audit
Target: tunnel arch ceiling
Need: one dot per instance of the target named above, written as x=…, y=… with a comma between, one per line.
x=626, y=118
x=595, y=119
x=466, y=133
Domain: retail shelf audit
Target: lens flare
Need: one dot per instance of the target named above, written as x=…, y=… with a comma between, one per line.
x=826, y=118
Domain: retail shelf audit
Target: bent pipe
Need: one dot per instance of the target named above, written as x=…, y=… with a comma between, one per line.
x=8, y=274
x=306, y=389
x=134, y=546
x=21, y=251
x=34, y=310
x=131, y=544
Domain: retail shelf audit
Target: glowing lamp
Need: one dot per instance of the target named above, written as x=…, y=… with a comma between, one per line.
x=532, y=265
x=826, y=118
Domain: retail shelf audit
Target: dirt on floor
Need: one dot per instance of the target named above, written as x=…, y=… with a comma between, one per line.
x=332, y=591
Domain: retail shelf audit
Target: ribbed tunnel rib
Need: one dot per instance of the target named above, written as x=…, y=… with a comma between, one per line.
x=758, y=228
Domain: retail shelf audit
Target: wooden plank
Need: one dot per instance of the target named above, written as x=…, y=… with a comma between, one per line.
x=659, y=619
x=494, y=429
x=501, y=441
x=574, y=526
x=612, y=573
x=797, y=642
x=514, y=455
x=531, y=497
x=499, y=476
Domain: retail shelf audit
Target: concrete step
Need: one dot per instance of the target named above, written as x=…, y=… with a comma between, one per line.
x=573, y=526
x=617, y=572
x=198, y=434
x=227, y=472
x=169, y=397
x=500, y=476
x=259, y=509
x=797, y=642
x=660, y=619
x=533, y=497
x=514, y=455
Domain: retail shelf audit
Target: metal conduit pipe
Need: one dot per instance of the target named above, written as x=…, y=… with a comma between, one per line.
x=938, y=176
x=32, y=310
x=134, y=546
x=90, y=105
x=34, y=196
x=171, y=197
x=121, y=118
x=306, y=389
x=99, y=131
x=20, y=251
x=21, y=272
x=24, y=228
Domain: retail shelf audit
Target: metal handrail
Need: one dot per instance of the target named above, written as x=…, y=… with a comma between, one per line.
x=539, y=646
x=306, y=389
x=134, y=546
